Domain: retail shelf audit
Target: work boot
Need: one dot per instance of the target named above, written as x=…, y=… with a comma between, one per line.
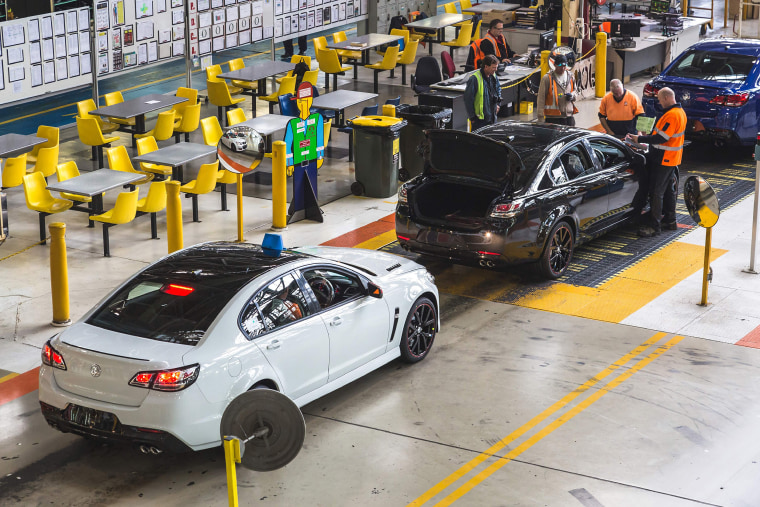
x=670, y=226
x=648, y=232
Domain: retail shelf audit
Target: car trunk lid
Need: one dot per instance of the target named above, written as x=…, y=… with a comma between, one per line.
x=484, y=159
x=100, y=363
x=694, y=94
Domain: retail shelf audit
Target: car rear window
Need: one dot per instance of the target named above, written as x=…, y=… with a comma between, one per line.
x=169, y=312
x=713, y=66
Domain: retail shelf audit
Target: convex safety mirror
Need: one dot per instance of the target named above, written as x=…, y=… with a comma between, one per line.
x=240, y=149
x=701, y=201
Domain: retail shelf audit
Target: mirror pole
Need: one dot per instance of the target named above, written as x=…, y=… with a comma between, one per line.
x=754, y=218
x=706, y=269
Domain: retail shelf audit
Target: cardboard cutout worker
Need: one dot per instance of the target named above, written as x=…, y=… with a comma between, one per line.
x=304, y=145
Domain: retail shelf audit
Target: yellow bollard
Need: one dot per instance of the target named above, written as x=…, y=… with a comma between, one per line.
x=559, y=32
x=279, y=187
x=232, y=456
x=59, y=275
x=601, y=64
x=389, y=110
x=706, y=268
x=173, y=216
x=545, y=62
x=240, y=207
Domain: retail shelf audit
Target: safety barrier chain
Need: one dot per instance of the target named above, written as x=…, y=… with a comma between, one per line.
x=538, y=69
x=24, y=250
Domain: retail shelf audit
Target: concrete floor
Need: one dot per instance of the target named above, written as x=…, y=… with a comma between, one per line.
x=514, y=405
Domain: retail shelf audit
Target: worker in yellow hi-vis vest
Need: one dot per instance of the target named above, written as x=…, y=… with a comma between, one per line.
x=304, y=142
x=482, y=95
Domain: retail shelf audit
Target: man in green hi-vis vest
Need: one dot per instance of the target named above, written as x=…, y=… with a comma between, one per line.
x=482, y=94
x=304, y=144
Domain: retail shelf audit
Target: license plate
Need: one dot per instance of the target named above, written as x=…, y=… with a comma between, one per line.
x=91, y=418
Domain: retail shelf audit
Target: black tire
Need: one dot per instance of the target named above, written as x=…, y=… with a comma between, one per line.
x=419, y=331
x=558, y=252
x=357, y=188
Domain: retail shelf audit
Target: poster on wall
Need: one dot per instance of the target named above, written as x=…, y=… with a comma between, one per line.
x=143, y=8
x=2, y=77
x=129, y=36
x=85, y=64
x=101, y=16
x=116, y=39
x=102, y=41
x=71, y=22
x=13, y=35
x=144, y=30
x=152, y=51
x=204, y=5
x=84, y=19
x=47, y=49
x=73, y=66
x=33, y=29
x=36, y=75
x=118, y=60
x=130, y=59
x=35, y=52
x=47, y=27
x=117, y=12
x=142, y=54
x=59, y=23
x=176, y=3
x=48, y=72
x=72, y=42
x=16, y=73
x=61, y=69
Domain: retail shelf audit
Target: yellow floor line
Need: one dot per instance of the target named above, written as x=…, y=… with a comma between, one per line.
x=8, y=377
x=378, y=241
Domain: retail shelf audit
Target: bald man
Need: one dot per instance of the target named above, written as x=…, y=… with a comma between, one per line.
x=619, y=110
x=665, y=152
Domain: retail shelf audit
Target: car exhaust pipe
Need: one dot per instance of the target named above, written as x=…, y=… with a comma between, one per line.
x=490, y=264
x=149, y=449
x=144, y=449
x=155, y=451
x=482, y=263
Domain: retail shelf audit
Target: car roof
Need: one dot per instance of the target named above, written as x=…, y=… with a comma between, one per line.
x=221, y=263
x=739, y=46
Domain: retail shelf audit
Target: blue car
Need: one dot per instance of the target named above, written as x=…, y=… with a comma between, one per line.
x=717, y=83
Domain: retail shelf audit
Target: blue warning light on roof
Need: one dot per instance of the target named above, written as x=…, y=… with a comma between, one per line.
x=272, y=245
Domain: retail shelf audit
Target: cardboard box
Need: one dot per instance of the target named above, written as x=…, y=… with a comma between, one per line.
x=508, y=17
x=526, y=107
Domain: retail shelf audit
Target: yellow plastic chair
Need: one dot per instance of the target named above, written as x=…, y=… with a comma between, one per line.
x=47, y=159
x=463, y=39
x=464, y=5
x=148, y=145
x=203, y=184
x=112, y=99
x=389, y=63
x=191, y=94
x=66, y=171
x=235, y=116
x=224, y=178
x=214, y=70
x=345, y=53
x=296, y=59
x=288, y=85
x=450, y=8
x=219, y=95
x=118, y=160
x=52, y=134
x=152, y=203
x=329, y=63
x=395, y=31
x=311, y=77
x=164, y=128
x=14, y=170
x=190, y=121
x=328, y=129
x=124, y=211
x=83, y=111
x=319, y=43
x=407, y=57
x=39, y=199
x=211, y=130
x=247, y=87
x=91, y=135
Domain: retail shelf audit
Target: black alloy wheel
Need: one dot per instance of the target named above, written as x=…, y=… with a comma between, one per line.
x=419, y=331
x=558, y=252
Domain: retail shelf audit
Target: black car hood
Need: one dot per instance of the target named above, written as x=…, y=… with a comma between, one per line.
x=457, y=153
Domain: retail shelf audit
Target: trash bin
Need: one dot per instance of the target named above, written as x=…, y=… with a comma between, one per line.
x=376, y=155
x=419, y=118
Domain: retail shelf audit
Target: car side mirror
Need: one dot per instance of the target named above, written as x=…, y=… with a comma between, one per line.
x=374, y=291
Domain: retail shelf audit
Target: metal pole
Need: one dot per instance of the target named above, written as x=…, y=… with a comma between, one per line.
x=188, y=59
x=174, y=232
x=239, y=192
x=232, y=456
x=59, y=275
x=754, y=221
x=601, y=65
x=279, y=187
x=94, y=57
x=706, y=268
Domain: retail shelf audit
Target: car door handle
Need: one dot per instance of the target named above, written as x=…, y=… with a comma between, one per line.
x=274, y=344
x=336, y=321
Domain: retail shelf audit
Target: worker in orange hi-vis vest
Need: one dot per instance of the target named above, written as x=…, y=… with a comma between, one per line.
x=665, y=151
x=556, y=94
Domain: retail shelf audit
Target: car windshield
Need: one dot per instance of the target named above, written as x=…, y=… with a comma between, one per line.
x=713, y=66
x=159, y=310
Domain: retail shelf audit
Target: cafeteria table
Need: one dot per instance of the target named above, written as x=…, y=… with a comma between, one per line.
x=13, y=145
x=138, y=108
x=258, y=72
x=176, y=156
x=437, y=24
x=364, y=43
x=266, y=126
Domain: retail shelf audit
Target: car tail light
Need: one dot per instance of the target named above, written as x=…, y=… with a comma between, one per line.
x=174, y=289
x=650, y=90
x=483, y=252
x=734, y=100
x=166, y=380
x=52, y=357
x=399, y=236
x=506, y=210
x=402, y=195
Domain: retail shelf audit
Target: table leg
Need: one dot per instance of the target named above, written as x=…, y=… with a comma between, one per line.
x=96, y=207
x=178, y=174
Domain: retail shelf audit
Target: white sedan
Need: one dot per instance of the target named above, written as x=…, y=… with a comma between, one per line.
x=159, y=359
